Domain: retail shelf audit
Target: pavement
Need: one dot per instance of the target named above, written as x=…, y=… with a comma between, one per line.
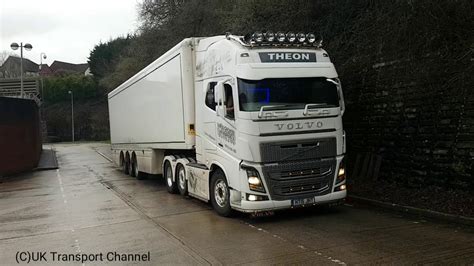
x=48, y=159
x=88, y=208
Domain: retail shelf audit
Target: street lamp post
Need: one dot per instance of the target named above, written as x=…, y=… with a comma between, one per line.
x=27, y=47
x=42, y=56
x=72, y=113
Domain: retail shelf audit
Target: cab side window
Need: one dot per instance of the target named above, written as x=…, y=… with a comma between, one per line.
x=229, y=102
x=210, y=101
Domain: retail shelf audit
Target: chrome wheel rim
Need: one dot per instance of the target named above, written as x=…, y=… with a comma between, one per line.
x=220, y=193
x=182, y=178
x=169, y=178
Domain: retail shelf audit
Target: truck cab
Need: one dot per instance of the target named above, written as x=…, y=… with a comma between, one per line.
x=268, y=124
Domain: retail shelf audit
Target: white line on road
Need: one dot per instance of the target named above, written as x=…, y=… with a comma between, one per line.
x=299, y=246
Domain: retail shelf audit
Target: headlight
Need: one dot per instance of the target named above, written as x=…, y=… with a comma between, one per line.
x=258, y=37
x=270, y=36
x=311, y=37
x=341, y=173
x=290, y=36
x=280, y=36
x=253, y=178
x=301, y=37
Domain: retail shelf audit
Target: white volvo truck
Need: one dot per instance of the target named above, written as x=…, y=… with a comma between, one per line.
x=249, y=123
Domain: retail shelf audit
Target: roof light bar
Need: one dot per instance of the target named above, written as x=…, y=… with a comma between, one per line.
x=269, y=38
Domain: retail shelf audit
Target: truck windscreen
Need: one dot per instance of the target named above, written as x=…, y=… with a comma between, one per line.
x=288, y=93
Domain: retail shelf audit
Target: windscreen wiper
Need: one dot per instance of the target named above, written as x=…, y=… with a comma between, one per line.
x=273, y=107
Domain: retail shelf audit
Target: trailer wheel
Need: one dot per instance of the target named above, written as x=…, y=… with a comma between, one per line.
x=126, y=165
x=170, y=184
x=181, y=180
x=220, y=194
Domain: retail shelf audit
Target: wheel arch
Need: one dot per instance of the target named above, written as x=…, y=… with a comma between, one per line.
x=215, y=166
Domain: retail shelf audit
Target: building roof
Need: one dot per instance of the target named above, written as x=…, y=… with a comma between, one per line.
x=45, y=70
x=28, y=65
x=58, y=66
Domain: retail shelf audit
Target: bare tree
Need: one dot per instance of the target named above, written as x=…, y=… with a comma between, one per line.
x=4, y=56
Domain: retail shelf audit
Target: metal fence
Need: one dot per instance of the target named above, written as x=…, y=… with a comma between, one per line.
x=12, y=88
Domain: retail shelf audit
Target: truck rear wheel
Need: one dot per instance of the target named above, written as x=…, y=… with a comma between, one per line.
x=220, y=194
x=181, y=180
x=168, y=174
x=134, y=171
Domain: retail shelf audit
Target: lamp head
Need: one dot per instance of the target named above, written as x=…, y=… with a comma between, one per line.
x=14, y=46
x=28, y=47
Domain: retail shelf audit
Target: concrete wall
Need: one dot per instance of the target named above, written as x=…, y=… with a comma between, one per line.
x=20, y=137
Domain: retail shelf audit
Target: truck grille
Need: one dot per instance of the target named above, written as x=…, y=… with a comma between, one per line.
x=298, y=150
x=299, y=179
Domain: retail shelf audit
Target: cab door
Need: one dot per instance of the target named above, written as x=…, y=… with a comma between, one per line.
x=209, y=138
x=225, y=116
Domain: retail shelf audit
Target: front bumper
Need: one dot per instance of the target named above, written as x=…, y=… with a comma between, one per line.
x=271, y=205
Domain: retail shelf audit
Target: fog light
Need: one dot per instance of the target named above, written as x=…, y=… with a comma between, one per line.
x=251, y=197
x=342, y=187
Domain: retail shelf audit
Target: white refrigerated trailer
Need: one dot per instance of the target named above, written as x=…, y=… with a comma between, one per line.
x=249, y=123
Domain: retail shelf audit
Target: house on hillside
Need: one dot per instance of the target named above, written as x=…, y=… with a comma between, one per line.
x=11, y=68
x=45, y=70
x=58, y=67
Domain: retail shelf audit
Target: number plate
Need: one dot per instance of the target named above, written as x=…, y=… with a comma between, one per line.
x=303, y=202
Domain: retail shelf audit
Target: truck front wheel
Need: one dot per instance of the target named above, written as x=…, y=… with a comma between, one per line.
x=220, y=194
x=170, y=184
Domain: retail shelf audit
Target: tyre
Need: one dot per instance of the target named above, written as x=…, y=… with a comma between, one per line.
x=181, y=180
x=135, y=171
x=220, y=194
x=133, y=167
x=168, y=174
x=126, y=165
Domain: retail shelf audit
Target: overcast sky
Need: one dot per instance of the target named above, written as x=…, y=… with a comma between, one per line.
x=66, y=30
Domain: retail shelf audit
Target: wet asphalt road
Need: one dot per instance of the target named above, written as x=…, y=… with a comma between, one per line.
x=89, y=207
